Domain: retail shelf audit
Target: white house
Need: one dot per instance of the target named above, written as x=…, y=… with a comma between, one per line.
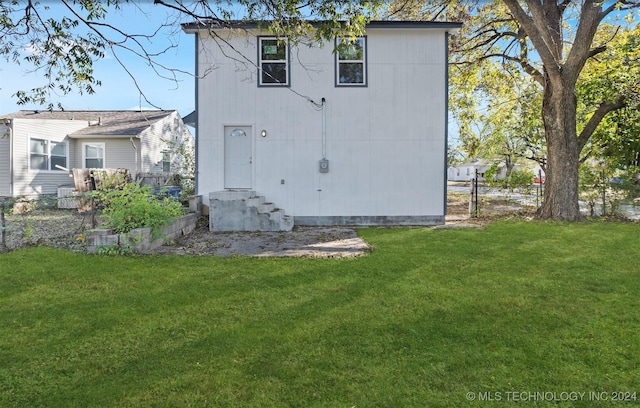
x=38, y=148
x=467, y=171
x=355, y=137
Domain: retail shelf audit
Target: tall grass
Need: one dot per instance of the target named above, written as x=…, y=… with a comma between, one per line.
x=438, y=318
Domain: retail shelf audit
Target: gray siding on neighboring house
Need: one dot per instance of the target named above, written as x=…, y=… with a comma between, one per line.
x=33, y=182
x=131, y=139
x=119, y=153
x=5, y=160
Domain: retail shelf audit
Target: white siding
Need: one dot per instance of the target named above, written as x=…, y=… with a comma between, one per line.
x=33, y=182
x=154, y=141
x=385, y=142
x=5, y=160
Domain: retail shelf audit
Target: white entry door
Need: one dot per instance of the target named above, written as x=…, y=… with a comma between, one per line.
x=238, y=167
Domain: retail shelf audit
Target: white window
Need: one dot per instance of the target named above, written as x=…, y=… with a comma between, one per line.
x=166, y=161
x=351, y=62
x=93, y=155
x=273, y=60
x=46, y=154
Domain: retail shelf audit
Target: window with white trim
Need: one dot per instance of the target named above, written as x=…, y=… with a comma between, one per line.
x=273, y=60
x=166, y=161
x=351, y=62
x=46, y=154
x=93, y=155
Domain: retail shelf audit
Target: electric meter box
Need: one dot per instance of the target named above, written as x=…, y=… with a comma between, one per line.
x=324, y=166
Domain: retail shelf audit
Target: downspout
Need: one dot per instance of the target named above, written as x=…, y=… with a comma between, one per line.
x=11, y=157
x=446, y=116
x=197, y=110
x=324, y=129
x=135, y=153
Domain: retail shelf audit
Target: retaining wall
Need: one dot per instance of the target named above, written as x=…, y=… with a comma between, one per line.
x=140, y=240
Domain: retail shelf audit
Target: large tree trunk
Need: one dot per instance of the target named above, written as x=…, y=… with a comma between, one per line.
x=561, y=184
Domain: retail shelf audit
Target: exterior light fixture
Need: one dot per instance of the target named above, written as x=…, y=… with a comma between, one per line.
x=263, y=133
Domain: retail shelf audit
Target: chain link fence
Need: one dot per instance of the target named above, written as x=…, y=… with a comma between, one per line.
x=475, y=199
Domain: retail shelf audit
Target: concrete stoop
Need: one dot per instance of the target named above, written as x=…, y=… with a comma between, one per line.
x=243, y=210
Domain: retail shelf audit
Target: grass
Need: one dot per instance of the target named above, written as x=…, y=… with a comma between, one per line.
x=427, y=317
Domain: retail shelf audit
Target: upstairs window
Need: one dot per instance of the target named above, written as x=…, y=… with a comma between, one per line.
x=273, y=60
x=45, y=154
x=93, y=155
x=351, y=62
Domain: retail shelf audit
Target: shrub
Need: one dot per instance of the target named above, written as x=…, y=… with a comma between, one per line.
x=134, y=206
x=521, y=179
x=515, y=178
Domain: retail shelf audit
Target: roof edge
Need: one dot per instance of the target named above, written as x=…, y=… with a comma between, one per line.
x=242, y=24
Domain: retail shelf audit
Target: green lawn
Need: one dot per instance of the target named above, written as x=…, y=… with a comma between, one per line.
x=536, y=309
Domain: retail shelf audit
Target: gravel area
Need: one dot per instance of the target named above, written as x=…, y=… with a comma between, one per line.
x=314, y=242
x=56, y=228
x=65, y=229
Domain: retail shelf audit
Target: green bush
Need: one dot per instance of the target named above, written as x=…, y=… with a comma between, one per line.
x=515, y=179
x=521, y=178
x=134, y=206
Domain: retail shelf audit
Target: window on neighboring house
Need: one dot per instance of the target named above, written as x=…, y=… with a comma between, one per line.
x=93, y=155
x=46, y=154
x=273, y=61
x=166, y=161
x=351, y=62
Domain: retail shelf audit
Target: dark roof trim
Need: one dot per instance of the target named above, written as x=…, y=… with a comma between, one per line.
x=446, y=25
x=191, y=119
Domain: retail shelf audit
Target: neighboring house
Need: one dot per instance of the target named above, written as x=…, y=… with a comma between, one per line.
x=467, y=171
x=353, y=137
x=37, y=149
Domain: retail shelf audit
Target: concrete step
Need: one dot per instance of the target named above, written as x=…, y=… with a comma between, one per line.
x=242, y=210
x=266, y=208
x=230, y=195
x=255, y=201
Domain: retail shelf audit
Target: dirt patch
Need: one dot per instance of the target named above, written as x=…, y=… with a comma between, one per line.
x=314, y=242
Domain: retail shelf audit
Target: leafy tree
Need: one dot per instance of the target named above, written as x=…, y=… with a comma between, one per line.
x=64, y=45
x=615, y=72
x=553, y=42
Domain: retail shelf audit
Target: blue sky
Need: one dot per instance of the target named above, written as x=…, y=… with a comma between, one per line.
x=118, y=90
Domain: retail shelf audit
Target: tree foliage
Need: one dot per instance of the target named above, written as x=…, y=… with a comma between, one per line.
x=615, y=74
x=63, y=41
x=555, y=43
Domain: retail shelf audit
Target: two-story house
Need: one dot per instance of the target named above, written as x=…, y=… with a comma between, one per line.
x=351, y=133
